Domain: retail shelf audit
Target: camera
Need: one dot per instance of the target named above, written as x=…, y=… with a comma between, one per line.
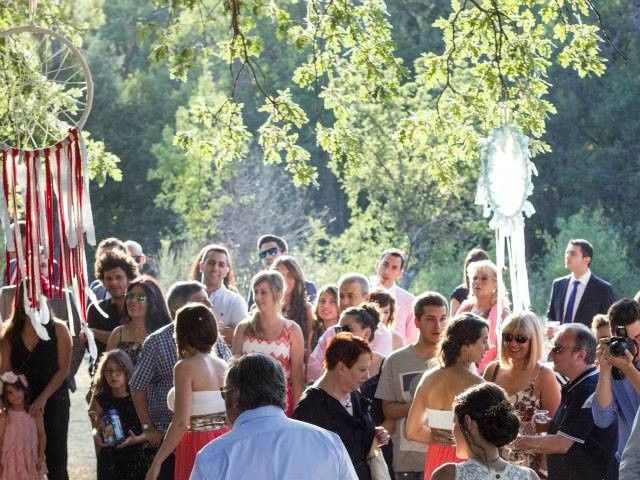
x=620, y=343
x=617, y=346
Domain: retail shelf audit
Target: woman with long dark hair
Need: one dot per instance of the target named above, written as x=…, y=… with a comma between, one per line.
x=45, y=363
x=430, y=418
x=294, y=301
x=146, y=310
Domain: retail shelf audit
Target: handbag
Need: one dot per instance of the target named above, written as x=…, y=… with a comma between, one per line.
x=377, y=463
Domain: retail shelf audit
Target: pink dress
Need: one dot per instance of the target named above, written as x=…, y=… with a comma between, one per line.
x=280, y=349
x=20, y=448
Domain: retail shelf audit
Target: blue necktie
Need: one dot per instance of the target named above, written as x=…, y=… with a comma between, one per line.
x=568, y=314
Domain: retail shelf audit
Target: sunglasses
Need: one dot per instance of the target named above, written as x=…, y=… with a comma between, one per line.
x=558, y=349
x=132, y=296
x=509, y=337
x=345, y=328
x=270, y=252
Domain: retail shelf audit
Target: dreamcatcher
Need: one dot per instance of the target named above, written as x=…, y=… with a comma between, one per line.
x=45, y=98
x=503, y=188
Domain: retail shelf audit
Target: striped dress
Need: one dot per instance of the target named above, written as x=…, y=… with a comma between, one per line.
x=279, y=349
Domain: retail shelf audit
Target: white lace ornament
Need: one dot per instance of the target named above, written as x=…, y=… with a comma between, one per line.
x=474, y=470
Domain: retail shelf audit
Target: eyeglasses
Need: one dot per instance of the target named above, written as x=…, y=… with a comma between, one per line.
x=224, y=391
x=137, y=258
x=561, y=348
x=270, y=252
x=509, y=337
x=340, y=329
x=132, y=296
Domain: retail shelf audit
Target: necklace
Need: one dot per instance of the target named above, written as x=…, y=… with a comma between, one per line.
x=346, y=403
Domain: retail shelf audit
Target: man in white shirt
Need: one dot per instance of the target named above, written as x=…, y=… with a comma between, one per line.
x=389, y=269
x=228, y=306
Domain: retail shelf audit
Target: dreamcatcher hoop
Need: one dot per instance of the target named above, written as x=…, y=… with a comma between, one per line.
x=44, y=168
x=503, y=190
x=42, y=69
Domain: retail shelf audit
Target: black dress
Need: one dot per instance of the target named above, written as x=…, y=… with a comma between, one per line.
x=129, y=463
x=39, y=366
x=356, y=431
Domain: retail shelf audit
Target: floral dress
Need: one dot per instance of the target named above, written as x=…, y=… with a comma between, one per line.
x=525, y=402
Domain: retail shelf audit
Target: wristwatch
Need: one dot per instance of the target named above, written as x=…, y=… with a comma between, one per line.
x=147, y=426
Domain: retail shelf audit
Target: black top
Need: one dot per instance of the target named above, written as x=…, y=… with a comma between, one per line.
x=129, y=463
x=460, y=293
x=97, y=321
x=591, y=457
x=356, y=431
x=40, y=364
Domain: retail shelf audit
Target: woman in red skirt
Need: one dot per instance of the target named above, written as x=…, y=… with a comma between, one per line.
x=195, y=399
x=430, y=418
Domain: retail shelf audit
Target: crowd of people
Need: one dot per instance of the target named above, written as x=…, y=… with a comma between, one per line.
x=355, y=380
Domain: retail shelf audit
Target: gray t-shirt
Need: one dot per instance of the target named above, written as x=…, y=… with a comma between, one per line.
x=399, y=378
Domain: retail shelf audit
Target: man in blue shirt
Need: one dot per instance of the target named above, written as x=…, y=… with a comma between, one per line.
x=263, y=442
x=618, y=399
x=576, y=448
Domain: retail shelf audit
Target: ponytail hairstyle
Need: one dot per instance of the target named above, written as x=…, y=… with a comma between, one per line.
x=464, y=329
x=366, y=315
x=487, y=404
x=275, y=281
x=383, y=298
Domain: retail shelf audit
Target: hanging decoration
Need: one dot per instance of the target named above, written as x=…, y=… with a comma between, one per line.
x=44, y=177
x=503, y=188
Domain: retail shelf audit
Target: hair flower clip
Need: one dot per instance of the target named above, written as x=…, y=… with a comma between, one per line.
x=11, y=378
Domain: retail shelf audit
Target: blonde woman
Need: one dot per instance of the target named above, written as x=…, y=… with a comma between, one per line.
x=268, y=332
x=529, y=384
x=483, y=301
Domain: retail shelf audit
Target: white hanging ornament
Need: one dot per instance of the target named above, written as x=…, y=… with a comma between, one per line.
x=503, y=188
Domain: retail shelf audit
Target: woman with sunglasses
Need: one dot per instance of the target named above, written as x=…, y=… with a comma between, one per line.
x=146, y=310
x=430, y=417
x=529, y=384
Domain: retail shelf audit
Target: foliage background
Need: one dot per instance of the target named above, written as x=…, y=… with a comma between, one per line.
x=390, y=169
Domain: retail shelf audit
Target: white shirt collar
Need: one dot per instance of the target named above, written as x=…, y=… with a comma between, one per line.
x=583, y=279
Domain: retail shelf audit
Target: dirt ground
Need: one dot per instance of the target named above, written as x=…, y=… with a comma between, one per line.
x=82, y=458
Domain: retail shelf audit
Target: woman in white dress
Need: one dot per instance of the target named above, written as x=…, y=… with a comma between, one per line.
x=484, y=421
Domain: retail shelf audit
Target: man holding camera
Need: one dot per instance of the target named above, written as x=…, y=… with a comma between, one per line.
x=617, y=395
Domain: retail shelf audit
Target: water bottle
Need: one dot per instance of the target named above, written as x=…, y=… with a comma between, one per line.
x=112, y=433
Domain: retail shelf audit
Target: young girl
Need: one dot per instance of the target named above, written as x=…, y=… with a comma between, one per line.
x=325, y=312
x=22, y=436
x=129, y=459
